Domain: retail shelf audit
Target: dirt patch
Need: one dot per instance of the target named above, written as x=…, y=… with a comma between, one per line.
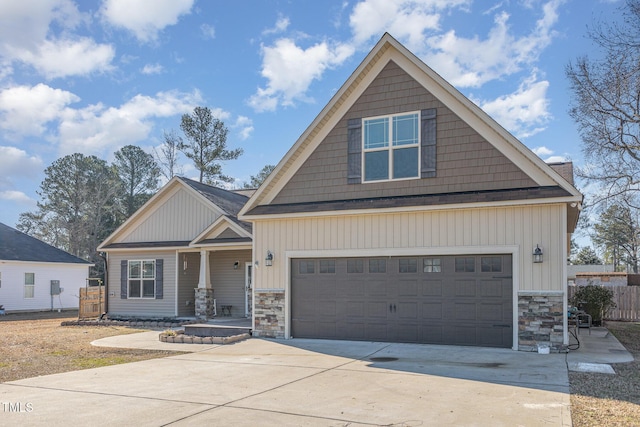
x=34, y=344
x=610, y=400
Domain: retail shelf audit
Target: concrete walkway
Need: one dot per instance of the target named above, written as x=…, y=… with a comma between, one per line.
x=309, y=383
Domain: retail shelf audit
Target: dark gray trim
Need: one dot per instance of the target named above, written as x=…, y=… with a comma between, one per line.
x=124, y=276
x=418, y=200
x=354, y=151
x=159, y=278
x=428, y=143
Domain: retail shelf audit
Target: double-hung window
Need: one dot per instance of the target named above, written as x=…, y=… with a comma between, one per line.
x=142, y=279
x=391, y=147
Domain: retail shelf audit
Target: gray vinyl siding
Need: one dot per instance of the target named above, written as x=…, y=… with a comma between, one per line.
x=181, y=217
x=229, y=284
x=465, y=161
x=142, y=307
x=187, y=282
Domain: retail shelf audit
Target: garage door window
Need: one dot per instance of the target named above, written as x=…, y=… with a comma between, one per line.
x=327, y=266
x=306, y=267
x=355, y=266
x=465, y=265
x=491, y=264
x=408, y=265
x=431, y=265
x=377, y=266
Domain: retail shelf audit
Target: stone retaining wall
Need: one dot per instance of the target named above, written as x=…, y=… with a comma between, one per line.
x=147, y=324
x=178, y=337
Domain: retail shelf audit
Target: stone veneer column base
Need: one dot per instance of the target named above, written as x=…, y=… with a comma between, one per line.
x=204, y=303
x=268, y=311
x=540, y=321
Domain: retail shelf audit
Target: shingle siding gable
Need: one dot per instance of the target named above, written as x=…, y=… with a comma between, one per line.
x=464, y=160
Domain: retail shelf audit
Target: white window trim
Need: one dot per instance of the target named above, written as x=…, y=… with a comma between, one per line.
x=390, y=148
x=31, y=286
x=142, y=279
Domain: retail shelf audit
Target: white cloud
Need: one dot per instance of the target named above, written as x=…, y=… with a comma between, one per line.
x=16, y=166
x=208, y=31
x=291, y=69
x=61, y=58
x=97, y=129
x=18, y=197
x=18, y=105
x=26, y=35
x=281, y=25
x=542, y=151
x=404, y=19
x=472, y=62
x=145, y=18
x=152, y=69
x=524, y=112
x=244, y=126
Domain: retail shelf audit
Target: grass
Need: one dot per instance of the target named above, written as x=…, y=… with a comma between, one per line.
x=610, y=400
x=35, y=344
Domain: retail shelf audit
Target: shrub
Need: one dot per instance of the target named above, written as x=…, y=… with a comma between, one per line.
x=594, y=300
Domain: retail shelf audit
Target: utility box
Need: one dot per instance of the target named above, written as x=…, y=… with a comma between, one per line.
x=55, y=287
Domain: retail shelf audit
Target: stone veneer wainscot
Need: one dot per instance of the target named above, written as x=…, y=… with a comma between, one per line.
x=540, y=321
x=269, y=314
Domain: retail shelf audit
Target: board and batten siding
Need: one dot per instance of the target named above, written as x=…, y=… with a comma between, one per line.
x=454, y=231
x=229, y=284
x=181, y=217
x=143, y=307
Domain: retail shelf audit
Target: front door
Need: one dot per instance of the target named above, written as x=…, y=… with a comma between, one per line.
x=248, y=289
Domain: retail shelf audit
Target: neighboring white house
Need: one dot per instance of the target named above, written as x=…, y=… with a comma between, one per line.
x=36, y=276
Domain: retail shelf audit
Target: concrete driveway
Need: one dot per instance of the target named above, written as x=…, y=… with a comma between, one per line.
x=303, y=383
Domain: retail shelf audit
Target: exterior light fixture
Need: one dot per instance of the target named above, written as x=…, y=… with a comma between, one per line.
x=236, y=264
x=184, y=262
x=268, y=261
x=537, y=254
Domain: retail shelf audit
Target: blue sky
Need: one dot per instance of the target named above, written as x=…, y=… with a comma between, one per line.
x=93, y=76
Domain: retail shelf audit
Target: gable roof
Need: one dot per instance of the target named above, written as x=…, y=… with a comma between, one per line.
x=385, y=51
x=18, y=246
x=226, y=203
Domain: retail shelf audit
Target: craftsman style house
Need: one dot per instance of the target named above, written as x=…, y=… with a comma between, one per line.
x=182, y=254
x=405, y=213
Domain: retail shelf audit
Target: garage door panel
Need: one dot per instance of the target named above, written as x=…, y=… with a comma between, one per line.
x=432, y=310
x=406, y=299
x=432, y=288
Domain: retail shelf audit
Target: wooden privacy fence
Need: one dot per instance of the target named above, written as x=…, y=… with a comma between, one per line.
x=627, y=299
x=91, y=302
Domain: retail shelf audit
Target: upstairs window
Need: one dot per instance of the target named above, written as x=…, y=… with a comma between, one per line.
x=391, y=147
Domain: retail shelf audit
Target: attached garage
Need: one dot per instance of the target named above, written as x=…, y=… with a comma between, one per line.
x=456, y=300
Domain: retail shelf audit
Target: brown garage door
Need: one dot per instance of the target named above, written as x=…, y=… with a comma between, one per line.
x=461, y=300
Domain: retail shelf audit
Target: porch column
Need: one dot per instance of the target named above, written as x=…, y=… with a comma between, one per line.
x=205, y=305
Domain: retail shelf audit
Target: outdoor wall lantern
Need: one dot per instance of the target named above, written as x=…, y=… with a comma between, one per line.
x=184, y=262
x=537, y=254
x=236, y=265
x=268, y=261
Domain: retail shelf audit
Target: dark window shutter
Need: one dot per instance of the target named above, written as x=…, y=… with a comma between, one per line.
x=124, y=276
x=159, y=278
x=354, y=151
x=428, y=143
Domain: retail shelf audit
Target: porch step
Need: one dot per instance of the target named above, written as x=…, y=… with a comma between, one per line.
x=204, y=330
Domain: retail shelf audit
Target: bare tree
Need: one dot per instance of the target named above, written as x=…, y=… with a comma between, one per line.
x=167, y=158
x=606, y=105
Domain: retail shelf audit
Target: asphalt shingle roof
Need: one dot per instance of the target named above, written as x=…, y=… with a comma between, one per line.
x=17, y=246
